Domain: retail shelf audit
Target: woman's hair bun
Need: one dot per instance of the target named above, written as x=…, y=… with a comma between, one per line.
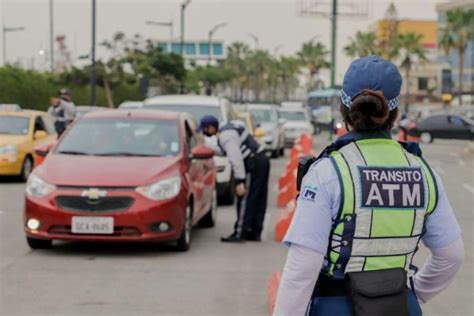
x=368, y=111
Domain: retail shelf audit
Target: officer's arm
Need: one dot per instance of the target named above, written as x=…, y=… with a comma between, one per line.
x=230, y=141
x=299, y=278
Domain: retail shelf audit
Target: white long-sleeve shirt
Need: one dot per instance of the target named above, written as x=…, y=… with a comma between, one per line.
x=302, y=267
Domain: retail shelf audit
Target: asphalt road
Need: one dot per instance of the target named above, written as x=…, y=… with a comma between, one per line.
x=211, y=279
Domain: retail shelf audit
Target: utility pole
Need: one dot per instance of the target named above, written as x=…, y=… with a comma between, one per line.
x=166, y=24
x=51, y=35
x=209, y=41
x=181, y=46
x=93, y=70
x=6, y=30
x=333, y=43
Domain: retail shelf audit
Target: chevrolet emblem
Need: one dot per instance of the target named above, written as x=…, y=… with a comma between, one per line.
x=94, y=194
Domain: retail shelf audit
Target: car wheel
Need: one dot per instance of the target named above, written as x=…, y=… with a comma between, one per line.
x=35, y=243
x=184, y=241
x=275, y=153
x=209, y=220
x=27, y=168
x=426, y=137
x=227, y=197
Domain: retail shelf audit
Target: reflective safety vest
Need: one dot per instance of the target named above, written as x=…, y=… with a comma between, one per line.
x=386, y=196
x=248, y=144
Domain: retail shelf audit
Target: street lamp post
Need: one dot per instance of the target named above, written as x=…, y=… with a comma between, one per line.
x=51, y=35
x=6, y=30
x=181, y=46
x=166, y=24
x=93, y=70
x=211, y=33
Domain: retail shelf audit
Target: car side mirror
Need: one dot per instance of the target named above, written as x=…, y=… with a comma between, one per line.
x=202, y=152
x=44, y=149
x=259, y=132
x=40, y=135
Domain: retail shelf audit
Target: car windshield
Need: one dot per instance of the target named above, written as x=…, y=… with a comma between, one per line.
x=196, y=111
x=14, y=125
x=122, y=137
x=262, y=115
x=293, y=115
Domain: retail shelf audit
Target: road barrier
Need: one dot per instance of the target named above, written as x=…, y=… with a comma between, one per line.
x=286, y=200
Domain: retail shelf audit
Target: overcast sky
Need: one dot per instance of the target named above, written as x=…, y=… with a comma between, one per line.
x=275, y=22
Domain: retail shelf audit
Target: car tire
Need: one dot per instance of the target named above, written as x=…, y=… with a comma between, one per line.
x=26, y=168
x=184, y=241
x=426, y=137
x=209, y=220
x=228, y=196
x=276, y=153
x=36, y=243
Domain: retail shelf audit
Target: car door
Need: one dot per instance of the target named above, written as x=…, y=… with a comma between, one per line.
x=195, y=171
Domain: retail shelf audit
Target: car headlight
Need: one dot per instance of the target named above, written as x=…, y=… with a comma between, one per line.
x=9, y=153
x=35, y=186
x=338, y=125
x=161, y=190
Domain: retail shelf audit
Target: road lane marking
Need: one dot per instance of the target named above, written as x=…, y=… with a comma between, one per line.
x=468, y=187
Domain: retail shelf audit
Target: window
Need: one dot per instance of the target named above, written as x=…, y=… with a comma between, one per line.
x=203, y=49
x=176, y=48
x=190, y=49
x=39, y=125
x=422, y=84
x=217, y=49
x=163, y=47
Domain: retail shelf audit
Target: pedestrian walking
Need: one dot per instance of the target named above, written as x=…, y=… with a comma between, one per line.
x=63, y=110
x=251, y=168
x=363, y=207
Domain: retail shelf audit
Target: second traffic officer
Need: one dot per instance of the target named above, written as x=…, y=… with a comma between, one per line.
x=251, y=168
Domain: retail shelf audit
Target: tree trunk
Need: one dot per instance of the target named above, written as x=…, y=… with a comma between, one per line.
x=108, y=94
x=461, y=73
x=407, y=87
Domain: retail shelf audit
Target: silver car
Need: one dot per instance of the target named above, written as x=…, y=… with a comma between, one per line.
x=297, y=121
x=199, y=106
x=266, y=117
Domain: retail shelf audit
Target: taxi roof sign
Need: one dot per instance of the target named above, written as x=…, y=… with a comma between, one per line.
x=10, y=107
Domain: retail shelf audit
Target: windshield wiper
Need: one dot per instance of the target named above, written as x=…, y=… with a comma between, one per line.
x=127, y=154
x=73, y=152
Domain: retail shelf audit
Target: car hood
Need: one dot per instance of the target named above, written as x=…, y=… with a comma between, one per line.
x=296, y=124
x=12, y=139
x=268, y=126
x=94, y=171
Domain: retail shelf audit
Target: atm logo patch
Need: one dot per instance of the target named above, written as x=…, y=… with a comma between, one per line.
x=309, y=193
x=399, y=188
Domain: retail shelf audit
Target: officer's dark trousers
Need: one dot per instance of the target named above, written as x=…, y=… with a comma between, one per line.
x=251, y=208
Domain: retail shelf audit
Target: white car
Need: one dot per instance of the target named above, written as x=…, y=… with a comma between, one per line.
x=199, y=106
x=266, y=118
x=130, y=105
x=297, y=121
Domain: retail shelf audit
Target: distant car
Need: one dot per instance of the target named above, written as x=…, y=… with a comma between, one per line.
x=20, y=132
x=266, y=117
x=122, y=176
x=444, y=127
x=297, y=121
x=199, y=106
x=83, y=109
x=130, y=105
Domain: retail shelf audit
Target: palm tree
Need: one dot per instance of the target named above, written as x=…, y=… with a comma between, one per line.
x=411, y=49
x=258, y=63
x=364, y=44
x=313, y=56
x=288, y=70
x=237, y=53
x=459, y=30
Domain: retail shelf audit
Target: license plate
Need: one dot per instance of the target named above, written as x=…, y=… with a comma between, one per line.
x=92, y=225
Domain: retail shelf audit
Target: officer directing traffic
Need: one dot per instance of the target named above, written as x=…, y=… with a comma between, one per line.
x=363, y=207
x=251, y=168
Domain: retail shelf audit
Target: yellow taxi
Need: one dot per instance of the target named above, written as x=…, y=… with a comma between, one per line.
x=20, y=132
x=250, y=125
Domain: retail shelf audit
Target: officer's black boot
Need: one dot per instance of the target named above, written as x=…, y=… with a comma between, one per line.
x=234, y=237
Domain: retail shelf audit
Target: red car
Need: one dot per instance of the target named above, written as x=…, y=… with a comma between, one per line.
x=139, y=175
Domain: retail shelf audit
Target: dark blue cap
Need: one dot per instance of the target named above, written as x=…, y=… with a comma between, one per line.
x=372, y=73
x=208, y=120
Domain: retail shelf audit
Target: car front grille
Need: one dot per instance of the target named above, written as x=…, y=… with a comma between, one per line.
x=84, y=204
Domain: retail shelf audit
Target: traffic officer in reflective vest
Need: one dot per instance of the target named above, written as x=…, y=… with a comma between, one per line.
x=251, y=168
x=363, y=207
